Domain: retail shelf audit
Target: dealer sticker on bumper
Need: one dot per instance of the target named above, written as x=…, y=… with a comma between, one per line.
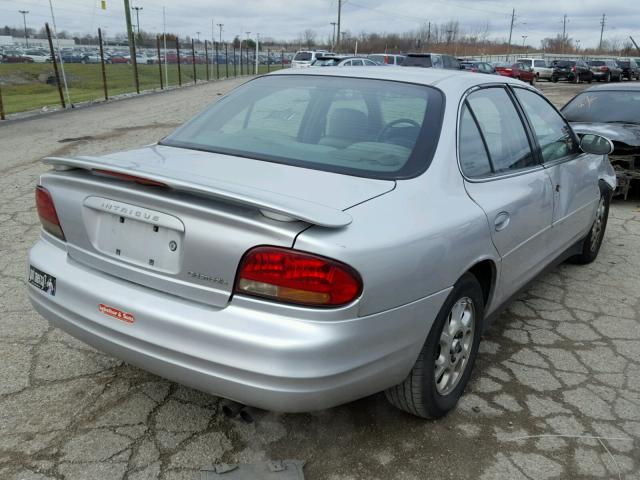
x=42, y=281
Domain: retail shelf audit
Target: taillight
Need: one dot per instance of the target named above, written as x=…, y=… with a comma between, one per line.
x=573, y=69
x=131, y=178
x=47, y=213
x=302, y=278
x=604, y=69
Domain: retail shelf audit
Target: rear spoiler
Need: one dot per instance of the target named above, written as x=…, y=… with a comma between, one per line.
x=272, y=204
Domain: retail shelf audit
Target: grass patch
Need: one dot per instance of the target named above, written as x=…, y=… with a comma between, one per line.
x=24, y=86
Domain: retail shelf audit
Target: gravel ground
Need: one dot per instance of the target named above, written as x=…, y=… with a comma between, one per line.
x=559, y=368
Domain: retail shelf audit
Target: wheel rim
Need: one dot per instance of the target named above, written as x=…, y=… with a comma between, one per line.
x=597, y=229
x=454, y=348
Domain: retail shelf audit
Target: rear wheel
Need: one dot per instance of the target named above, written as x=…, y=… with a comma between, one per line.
x=441, y=372
x=592, y=242
x=554, y=79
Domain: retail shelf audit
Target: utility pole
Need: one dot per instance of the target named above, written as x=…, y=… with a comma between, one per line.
x=198, y=34
x=602, y=24
x=429, y=34
x=339, y=14
x=132, y=46
x=513, y=19
x=137, y=9
x=564, y=32
x=24, y=19
x=220, y=25
x=524, y=39
x=333, y=37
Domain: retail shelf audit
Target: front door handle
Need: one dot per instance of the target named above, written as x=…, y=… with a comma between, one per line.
x=502, y=221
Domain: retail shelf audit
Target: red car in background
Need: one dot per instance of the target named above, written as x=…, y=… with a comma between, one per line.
x=516, y=70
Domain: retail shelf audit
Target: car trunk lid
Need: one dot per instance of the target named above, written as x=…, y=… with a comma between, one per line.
x=187, y=234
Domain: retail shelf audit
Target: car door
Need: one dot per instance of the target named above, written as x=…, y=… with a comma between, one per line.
x=503, y=176
x=573, y=174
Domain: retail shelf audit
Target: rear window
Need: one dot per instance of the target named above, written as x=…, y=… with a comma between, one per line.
x=303, y=56
x=364, y=127
x=565, y=63
x=526, y=63
x=411, y=61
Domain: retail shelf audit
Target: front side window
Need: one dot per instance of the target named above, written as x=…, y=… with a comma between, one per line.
x=364, y=127
x=540, y=63
x=552, y=132
x=502, y=129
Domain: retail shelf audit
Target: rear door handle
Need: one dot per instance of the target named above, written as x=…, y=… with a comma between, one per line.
x=502, y=221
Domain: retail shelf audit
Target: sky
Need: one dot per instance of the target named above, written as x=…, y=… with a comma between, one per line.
x=286, y=19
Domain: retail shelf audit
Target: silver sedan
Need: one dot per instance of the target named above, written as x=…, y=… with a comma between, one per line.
x=317, y=236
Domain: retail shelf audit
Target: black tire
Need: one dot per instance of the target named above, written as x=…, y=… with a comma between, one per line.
x=554, y=79
x=418, y=393
x=593, y=241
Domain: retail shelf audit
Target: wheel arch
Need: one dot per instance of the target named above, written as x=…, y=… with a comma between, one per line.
x=485, y=272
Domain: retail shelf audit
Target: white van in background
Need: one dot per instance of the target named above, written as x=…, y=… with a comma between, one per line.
x=304, y=58
x=539, y=66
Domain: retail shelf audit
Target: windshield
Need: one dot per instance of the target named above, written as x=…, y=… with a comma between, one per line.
x=604, y=106
x=303, y=56
x=596, y=63
x=364, y=127
x=526, y=63
x=564, y=63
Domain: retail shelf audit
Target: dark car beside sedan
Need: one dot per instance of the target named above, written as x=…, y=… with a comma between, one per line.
x=612, y=110
x=574, y=71
x=630, y=69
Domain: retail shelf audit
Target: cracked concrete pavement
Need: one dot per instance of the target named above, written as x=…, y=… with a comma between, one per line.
x=555, y=393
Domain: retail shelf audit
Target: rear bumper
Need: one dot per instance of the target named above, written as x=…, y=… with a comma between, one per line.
x=240, y=352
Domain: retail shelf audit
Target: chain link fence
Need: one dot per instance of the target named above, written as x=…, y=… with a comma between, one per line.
x=51, y=78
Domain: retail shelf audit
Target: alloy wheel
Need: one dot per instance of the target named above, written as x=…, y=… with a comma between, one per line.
x=454, y=348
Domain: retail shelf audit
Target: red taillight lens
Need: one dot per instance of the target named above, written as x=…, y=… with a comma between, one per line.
x=131, y=178
x=47, y=213
x=297, y=277
x=604, y=69
x=573, y=69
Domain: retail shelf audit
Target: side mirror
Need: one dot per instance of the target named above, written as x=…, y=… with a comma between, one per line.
x=596, y=145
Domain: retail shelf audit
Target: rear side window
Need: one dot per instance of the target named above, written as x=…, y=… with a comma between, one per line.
x=474, y=160
x=502, y=129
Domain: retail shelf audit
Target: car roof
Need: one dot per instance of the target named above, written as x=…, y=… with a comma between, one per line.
x=619, y=87
x=454, y=82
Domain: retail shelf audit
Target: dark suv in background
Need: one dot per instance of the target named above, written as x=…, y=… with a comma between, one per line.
x=630, y=69
x=606, y=70
x=431, y=60
x=571, y=70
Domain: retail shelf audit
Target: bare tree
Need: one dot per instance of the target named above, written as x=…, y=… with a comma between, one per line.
x=309, y=37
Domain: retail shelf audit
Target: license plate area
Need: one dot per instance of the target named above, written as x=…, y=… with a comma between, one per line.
x=134, y=234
